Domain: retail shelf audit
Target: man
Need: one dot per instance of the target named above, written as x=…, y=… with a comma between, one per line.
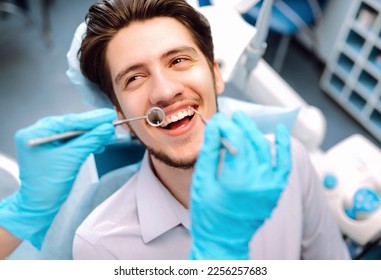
x=160, y=53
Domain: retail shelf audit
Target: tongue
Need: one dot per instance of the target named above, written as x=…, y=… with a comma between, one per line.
x=179, y=123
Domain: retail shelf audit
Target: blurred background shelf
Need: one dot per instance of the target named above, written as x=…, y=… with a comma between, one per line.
x=353, y=70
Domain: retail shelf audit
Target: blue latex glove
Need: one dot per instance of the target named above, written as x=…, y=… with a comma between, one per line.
x=226, y=211
x=48, y=171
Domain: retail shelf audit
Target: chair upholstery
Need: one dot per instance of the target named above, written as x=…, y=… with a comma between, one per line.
x=119, y=154
x=9, y=174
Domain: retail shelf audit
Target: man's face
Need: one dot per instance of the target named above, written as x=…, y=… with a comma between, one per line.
x=157, y=63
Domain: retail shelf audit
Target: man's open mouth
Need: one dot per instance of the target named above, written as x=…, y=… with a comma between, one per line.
x=178, y=119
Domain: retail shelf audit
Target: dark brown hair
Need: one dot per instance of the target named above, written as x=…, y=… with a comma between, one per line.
x=106, y=18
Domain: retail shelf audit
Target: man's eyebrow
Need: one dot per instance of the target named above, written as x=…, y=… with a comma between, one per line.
x=181, y=49
x=126, y=70
x=178, y=50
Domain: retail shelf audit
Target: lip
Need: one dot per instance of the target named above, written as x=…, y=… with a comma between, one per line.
x=183, y=129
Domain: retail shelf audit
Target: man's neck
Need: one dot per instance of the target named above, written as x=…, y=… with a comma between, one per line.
x=176, y=180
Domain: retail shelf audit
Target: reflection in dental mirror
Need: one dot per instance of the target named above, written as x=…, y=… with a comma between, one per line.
x=155, y=116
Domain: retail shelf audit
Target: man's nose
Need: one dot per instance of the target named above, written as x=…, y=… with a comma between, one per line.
x=165, y=86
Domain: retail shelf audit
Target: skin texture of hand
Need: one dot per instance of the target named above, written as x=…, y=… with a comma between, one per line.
x=227, y=210
x=8, y=242
x=48, y=171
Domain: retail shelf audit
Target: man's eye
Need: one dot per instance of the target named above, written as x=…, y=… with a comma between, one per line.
x=131, y=80
x=178, y=60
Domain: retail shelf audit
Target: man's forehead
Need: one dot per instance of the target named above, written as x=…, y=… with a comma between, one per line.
x=143, y=41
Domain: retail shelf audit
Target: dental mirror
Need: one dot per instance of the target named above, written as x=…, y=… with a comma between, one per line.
x=155, y=116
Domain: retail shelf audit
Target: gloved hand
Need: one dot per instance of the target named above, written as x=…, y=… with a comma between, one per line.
x=226, y=211
x=48, y=171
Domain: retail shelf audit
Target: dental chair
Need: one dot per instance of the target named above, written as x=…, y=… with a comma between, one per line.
x=111, y=158
x=9, y=174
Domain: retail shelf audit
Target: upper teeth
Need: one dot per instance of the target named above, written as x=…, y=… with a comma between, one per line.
x=177, y=116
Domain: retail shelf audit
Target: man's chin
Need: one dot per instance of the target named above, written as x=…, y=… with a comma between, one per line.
x=175, y=163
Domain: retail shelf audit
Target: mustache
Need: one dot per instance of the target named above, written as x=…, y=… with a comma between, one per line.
x=178, y=99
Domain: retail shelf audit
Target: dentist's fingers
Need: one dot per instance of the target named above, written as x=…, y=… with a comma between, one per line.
x=93, y=141
x=242, y=161
x=208, y=157
x=255, y=136
x=82, y=121
x=283, y=151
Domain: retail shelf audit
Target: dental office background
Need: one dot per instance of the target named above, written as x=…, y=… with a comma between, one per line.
x=334, y=67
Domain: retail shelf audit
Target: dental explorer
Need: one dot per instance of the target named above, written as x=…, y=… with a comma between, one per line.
x=227, y=145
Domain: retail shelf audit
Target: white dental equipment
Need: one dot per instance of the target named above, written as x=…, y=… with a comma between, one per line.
x=154, y=117
x=351, y=166
x=257, y=46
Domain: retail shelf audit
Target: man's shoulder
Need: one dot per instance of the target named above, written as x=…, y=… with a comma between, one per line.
x=113, y=181
x=115, y=198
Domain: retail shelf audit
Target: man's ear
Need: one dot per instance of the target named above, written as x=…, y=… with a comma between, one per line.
x=121, y=117
x=220, y=84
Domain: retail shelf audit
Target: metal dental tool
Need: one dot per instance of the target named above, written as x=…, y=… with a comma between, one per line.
x=154, y=117
x=225, y=143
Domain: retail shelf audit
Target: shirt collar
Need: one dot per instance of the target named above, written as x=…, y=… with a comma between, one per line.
x=158, y=210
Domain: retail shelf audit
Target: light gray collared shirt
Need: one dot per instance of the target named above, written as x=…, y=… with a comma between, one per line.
x=142, y=220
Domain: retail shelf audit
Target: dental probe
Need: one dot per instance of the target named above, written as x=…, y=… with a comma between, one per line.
x=227, y=145
x=154, y=116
